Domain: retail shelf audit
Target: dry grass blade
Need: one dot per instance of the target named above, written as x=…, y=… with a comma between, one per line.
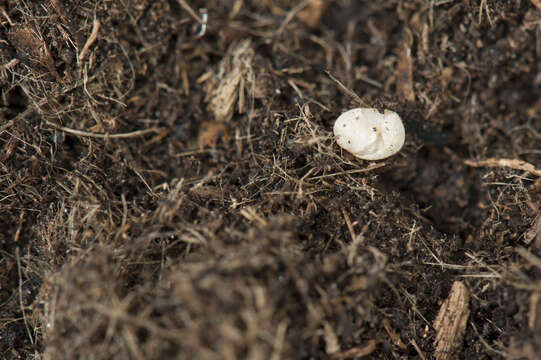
x=106, y=135
x=291, y=14
x=21, y=303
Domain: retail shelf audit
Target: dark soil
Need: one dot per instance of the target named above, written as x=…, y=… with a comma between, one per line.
x=174, y=191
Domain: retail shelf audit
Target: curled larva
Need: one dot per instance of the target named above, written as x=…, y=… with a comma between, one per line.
x=369, y=134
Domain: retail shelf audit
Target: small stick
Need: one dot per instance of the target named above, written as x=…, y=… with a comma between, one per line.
x=190, y=11
x=346, y=90
x=106, y=135
x=5, y=14
x=93, y=36
x=19, y=228
x=505, y=163
x=291, y=14
x=419, y=351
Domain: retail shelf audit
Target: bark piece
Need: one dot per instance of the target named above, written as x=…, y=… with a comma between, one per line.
x=451, y=321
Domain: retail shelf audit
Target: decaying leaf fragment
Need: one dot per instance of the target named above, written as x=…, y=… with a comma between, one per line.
x=226, y=86
x=210, y=132
x=451, y=322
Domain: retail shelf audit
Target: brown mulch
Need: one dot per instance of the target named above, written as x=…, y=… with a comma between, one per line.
x=170, y=186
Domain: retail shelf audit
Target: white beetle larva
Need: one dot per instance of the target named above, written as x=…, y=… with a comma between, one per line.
x=369, y=134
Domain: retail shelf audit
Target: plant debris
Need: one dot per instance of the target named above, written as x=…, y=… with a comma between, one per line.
x=170, y=186
x=450, y=324
x=505, y=163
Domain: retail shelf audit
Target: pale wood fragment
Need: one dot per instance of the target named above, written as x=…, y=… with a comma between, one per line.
x=311, y=15
x=537, y=4
x=223, y=89
x=451, y=321
x=332, y=345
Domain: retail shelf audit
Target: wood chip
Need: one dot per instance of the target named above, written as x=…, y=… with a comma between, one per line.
x=404, y=70
x=312, y=13
x=451, y=321
x=223, y=88
x=332, y=345
x=505, y=163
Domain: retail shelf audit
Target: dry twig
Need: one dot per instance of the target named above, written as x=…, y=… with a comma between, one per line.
x=505, y=163
x=190, y=11
x=345, y=90
x=291, y=14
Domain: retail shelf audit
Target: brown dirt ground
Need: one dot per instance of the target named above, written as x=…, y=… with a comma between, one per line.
x=168, y=192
